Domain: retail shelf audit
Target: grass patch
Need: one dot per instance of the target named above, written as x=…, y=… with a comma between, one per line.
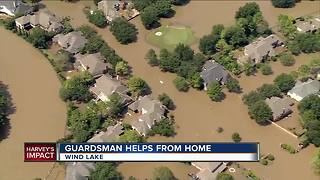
x=169, y=36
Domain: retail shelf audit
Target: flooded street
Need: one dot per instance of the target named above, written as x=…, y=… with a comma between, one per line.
x=197, y=117
x=40, y=114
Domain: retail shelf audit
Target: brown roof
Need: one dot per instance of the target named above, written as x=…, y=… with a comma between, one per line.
x=94, y=63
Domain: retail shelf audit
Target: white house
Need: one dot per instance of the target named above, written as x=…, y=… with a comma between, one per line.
x=304, y=89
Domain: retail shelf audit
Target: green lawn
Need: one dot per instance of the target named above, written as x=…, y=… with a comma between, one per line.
x=171, y=36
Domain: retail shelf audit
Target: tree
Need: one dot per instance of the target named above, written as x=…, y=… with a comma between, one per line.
x=9, y=23
x=196, y=81
x=217, y=29
x=236, y=137
x=124, y=31
x=131, y=136
x=165, y=127
x=105, y=170
x=266, y=69
x=183, y=52
x=269, y=90
x=163, y=173
x=285, y=82
x=77, y=88
x=152, y=58
x=233, y=85
x=141, y=4
x=283, y=3
x=181, y=84
x=260, y=112
x=98, y=18
x=149, y=17
x=94, y=44
x=287, y=59
x=215, y=91
x=207, y=44
x=307, y=42
x=114, y=105
x=224, y=176
x=63, y=61
x=166, y=101
x=87, y=31
x=235, y=36
x=39, y=38
x=138, y=86
x=4, y=105
x=122, y=68
x=164, y=8
x=168, y=62
x=96, y=1
x=252, y=97
x=316, y=162
x=249, y=9
x=249, y=68
x=286, y=26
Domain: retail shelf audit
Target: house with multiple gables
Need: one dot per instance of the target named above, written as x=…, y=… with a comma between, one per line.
x=151, y=111
x=304, y=89
x=280, y=107
x=261, y=49
x=213, y=71
x=72, y=42
x=44, y=19
x=117, y=8
x=95, y=63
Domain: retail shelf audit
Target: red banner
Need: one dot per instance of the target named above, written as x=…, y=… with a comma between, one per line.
x=40, y=152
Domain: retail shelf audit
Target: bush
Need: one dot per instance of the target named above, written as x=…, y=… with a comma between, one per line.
x=249, y=68
x=39, y=38
x=124, y=31
x=283, y=3
x=252, y=97
x=219, y=129
x=264, y=162
x=181, y=84
x=165, y=127
x=152, y=58
x=287, y=59
x=215, y=91
x=138, y=86
x=224, y=176
x=266, y=69
x=166, y=101
x=236, y=137
x=270, y=157
x=233, y=85
x=285, y=82
x=288, y=148
x=269, y=90
x=98, y=18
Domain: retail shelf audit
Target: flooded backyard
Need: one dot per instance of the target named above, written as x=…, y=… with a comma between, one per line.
x=197, y=117
x=39, y=113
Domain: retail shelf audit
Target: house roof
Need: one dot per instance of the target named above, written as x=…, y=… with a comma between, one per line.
x=108, y=7
x=262, y=47
x=308, y=25
x=209, y=170
x=112, y=133
x=213, y=71
x=108, y=86
x=304, y=89
x=78, y=170
x=94, y=62
x=280, y=106
x=152, y=110
x=15, y=7
x=72, y=42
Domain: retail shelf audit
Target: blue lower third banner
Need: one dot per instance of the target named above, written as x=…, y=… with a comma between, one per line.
x=158, y=152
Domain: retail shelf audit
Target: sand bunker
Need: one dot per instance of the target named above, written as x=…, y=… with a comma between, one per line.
x=158, y=33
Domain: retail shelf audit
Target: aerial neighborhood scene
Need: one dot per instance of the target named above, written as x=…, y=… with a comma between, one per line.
x=134, y=71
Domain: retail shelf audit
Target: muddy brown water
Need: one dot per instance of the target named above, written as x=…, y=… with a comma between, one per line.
x=40, y=114
x=197, y=118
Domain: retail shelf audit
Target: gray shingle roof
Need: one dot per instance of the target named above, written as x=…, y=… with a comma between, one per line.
x=304, y=89
x=16, y=7
x=209, y=170
x=78, y=170
x=112, y=134
x=94, y=63
x=72, y=42
x=281, y=107
x=213, y=71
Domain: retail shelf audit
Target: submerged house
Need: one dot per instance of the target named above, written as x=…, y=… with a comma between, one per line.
x=304, y=89
x=72, y=42
x=261, y=49
x=78, y=170
x=151, y=111
x=14, y=7
x=105, y=86
x=280, y=107
x=209, y=170
x=213, y=71
x=112, y=134
x=117, y=8
x=95, y=64
x=43, y=19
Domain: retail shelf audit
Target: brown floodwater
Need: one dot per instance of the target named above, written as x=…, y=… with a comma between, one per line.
x=197, y=117
x=40, y=115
